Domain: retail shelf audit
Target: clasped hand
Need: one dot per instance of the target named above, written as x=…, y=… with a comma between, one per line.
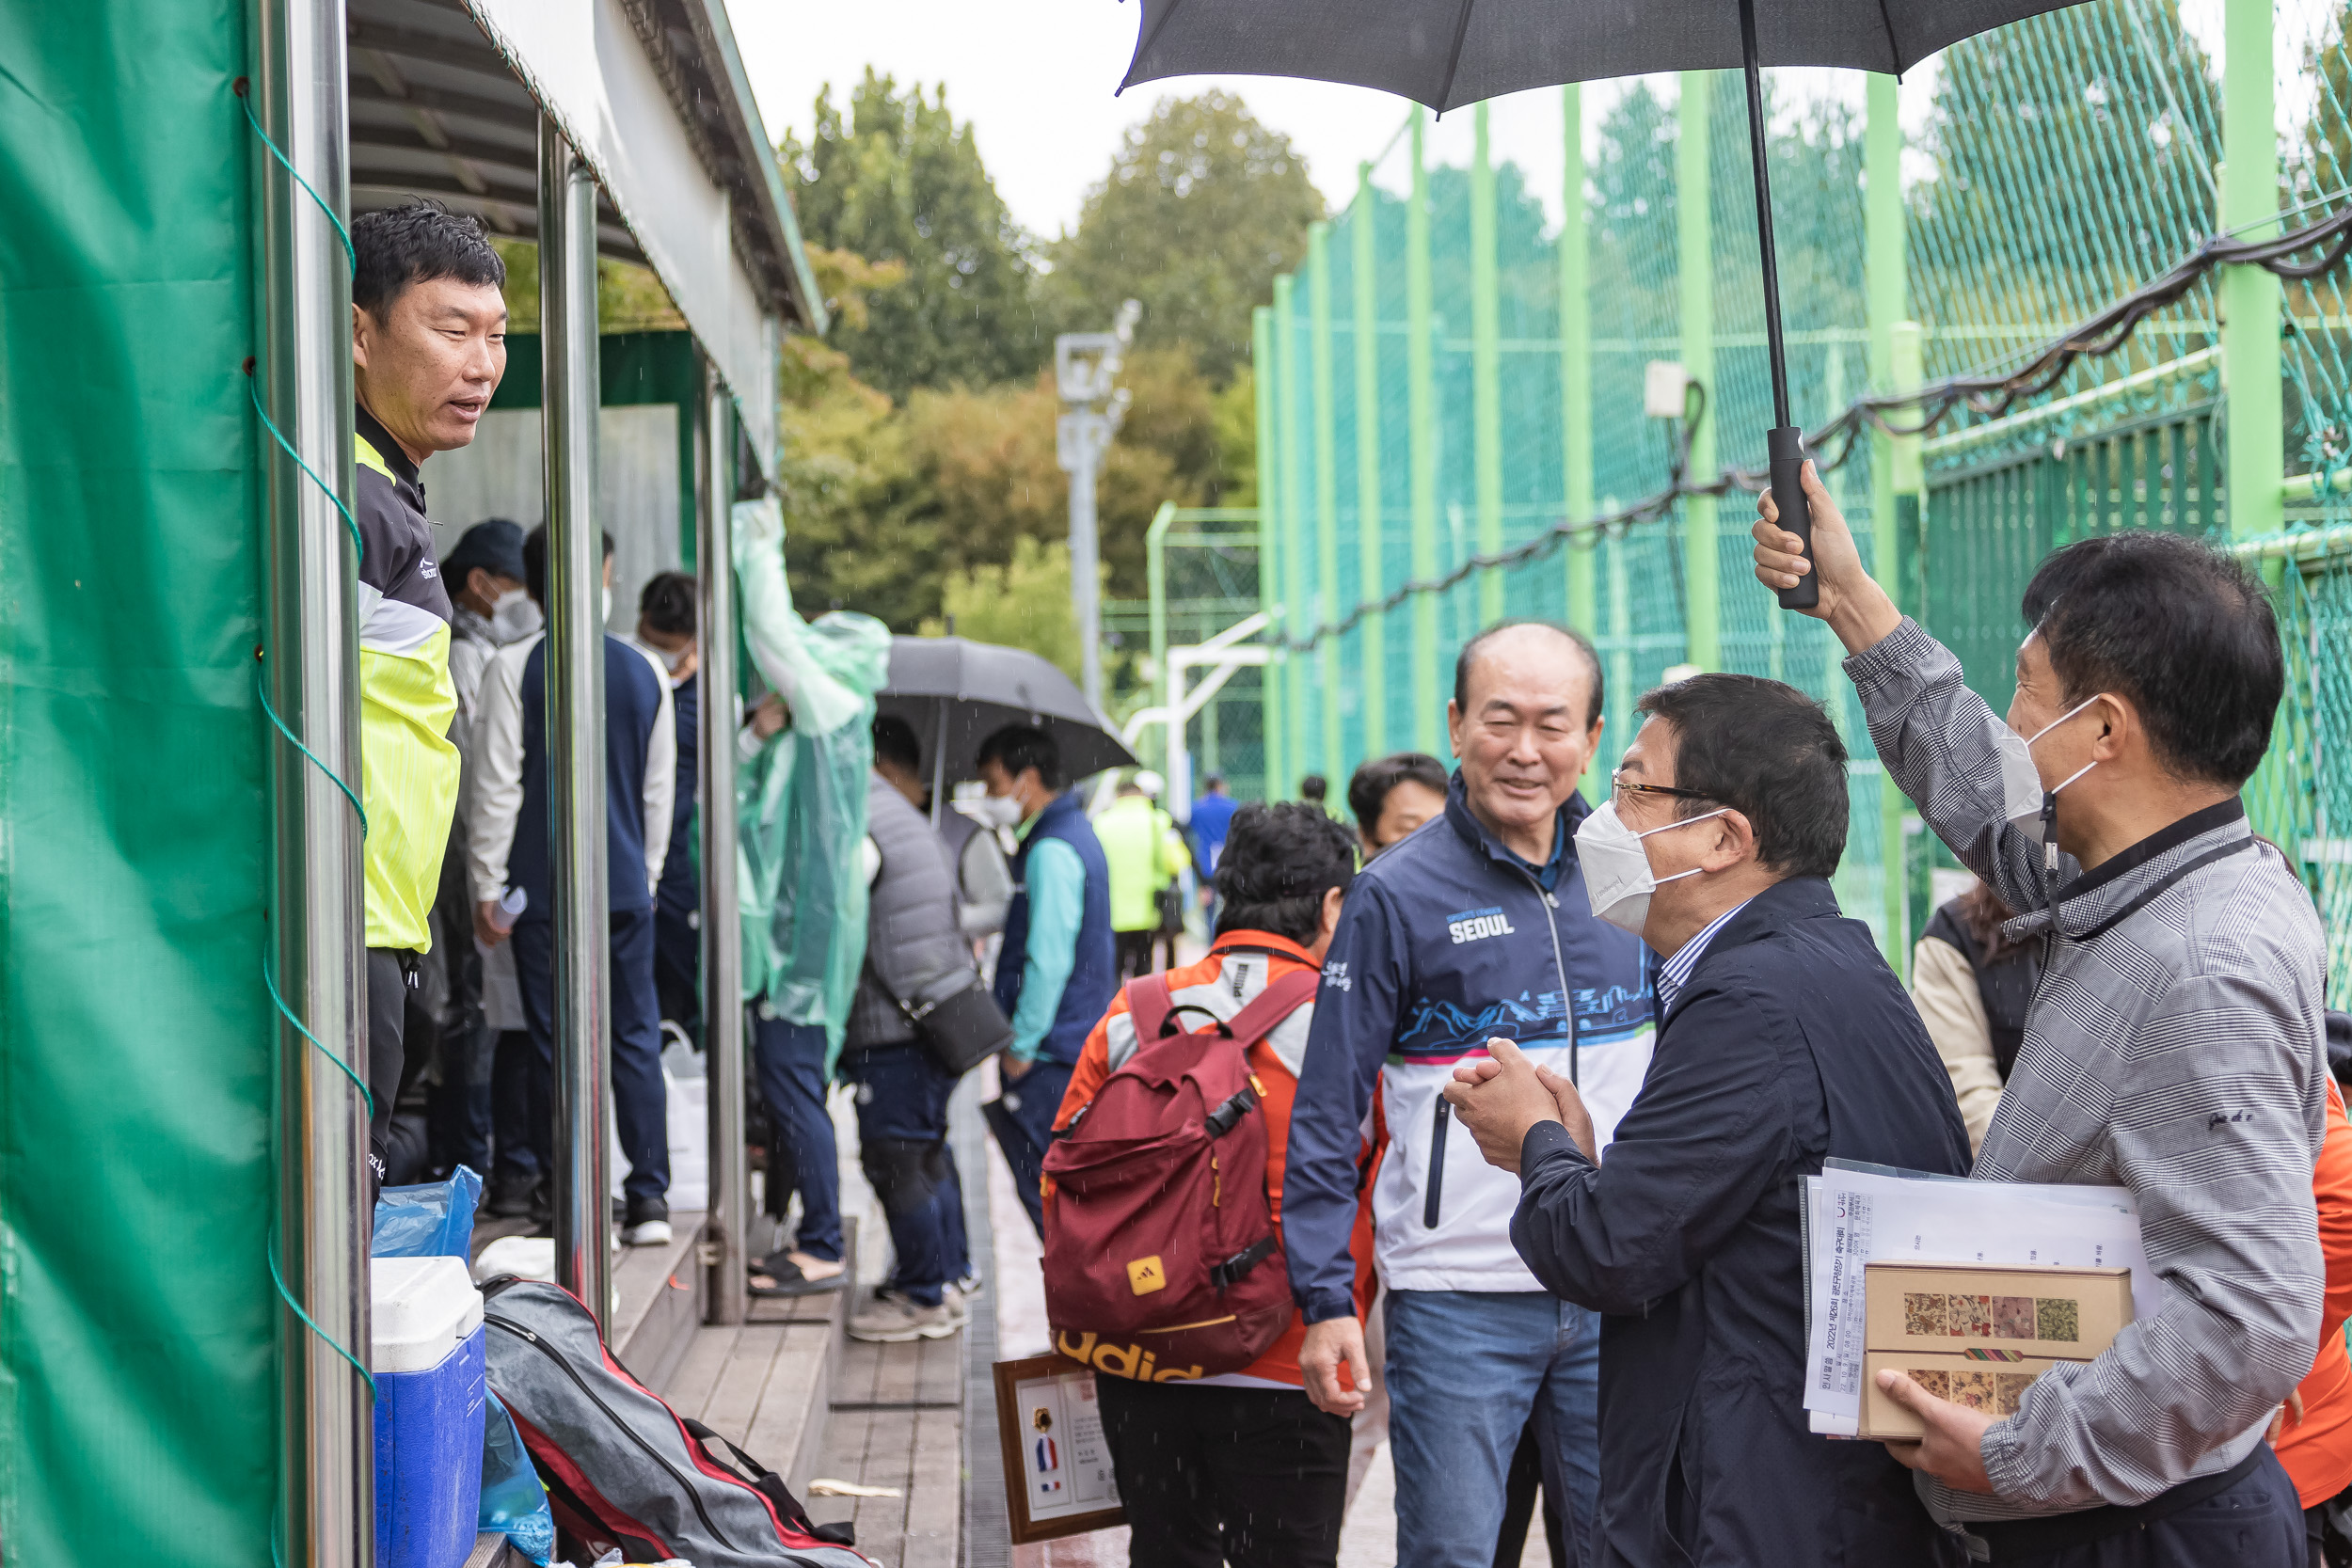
x=1502, y=1095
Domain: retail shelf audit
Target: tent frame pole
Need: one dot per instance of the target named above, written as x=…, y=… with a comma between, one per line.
x=575, y=721
x=327, y=1497
x=723, y=930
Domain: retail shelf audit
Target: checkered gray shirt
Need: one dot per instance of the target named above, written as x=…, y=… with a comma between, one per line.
x=2175, y=1047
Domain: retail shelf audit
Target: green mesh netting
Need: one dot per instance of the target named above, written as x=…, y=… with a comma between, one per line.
x=2057, y=165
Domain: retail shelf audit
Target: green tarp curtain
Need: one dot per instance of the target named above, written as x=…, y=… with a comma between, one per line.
x=137, y=1329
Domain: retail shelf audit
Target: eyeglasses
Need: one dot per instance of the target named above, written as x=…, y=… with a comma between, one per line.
x=1621, y=787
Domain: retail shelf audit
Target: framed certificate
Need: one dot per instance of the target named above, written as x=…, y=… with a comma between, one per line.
x=1058, y=1468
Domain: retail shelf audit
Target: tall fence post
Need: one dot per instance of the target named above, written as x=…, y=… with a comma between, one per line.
x=1899, y=824
x=1421, y=410
x=575, y=719
x=1266, y=371
x=1364, y=296
x=1486, y=367
x=1327, y=494
x=1694, y=232
x=1298, y=607
x=1576, y=381
x=2250, y=298
x=1886, y=285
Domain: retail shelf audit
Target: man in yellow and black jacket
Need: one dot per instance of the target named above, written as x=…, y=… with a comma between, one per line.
x=428, y=323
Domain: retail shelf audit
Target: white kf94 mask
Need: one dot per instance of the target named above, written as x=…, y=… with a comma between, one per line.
x=1617, y=878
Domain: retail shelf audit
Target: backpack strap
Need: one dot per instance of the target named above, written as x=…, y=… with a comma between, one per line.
x=1271, y=1005
x=1149, y=1003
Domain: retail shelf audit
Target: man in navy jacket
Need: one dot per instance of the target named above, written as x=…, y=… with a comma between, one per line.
x=1476, y=926
x=1785, y=1039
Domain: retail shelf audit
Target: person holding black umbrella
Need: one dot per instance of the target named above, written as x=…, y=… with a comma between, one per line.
x=2175, y=1046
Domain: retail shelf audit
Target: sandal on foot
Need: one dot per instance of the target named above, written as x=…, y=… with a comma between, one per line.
x=784, y=1278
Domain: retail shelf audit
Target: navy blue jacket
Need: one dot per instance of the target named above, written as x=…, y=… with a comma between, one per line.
x=632, y=704
x=681, y=892
x=1790, y=1041
x=1094, y=974
x=1447, y=939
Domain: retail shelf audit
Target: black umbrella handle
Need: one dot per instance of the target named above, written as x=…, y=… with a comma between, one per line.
x=1786, y=446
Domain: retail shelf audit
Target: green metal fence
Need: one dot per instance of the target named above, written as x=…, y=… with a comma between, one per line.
x=1458, y=370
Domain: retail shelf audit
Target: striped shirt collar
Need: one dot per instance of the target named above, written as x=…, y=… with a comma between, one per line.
x=1675, y=971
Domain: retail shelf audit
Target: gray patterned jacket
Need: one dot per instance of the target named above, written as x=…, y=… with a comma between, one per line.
x=2175, y=1047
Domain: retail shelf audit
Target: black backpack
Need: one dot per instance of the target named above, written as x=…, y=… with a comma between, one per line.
x=624, y=1469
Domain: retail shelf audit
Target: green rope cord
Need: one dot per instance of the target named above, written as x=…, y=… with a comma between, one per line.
x=288, y=1013
x=260, y=691
x=246, y=99
x=254, y=390
x=295, y=1308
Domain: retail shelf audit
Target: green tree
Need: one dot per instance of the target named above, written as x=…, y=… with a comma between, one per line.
x=1023, y=603
x=897, y=179
x=1202, y=207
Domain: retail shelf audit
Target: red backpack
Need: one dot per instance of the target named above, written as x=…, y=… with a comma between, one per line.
x=1161, y=1259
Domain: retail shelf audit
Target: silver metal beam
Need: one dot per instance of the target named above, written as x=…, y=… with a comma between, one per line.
x=326, y=1450
x=723, y=929
x=575, y=719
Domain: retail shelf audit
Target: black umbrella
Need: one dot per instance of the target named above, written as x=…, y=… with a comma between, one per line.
x=960, y=692
x=1449, y=53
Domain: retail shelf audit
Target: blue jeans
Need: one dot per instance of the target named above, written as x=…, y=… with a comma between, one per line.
x=803, y=1156
x=641, y=1102
x=1022, y=1119
x=1466, y=1368
x=902, y=1147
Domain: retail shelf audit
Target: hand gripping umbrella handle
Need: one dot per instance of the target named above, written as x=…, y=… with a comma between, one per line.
x=1786, y=446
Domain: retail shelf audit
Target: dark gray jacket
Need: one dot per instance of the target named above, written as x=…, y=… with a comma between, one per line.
x=912, y=942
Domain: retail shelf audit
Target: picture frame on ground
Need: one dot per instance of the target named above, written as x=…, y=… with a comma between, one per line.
x=1058, y=1467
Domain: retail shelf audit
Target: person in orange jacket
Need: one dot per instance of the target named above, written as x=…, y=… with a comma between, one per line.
x=2312, y=1432
x=1240, y=1469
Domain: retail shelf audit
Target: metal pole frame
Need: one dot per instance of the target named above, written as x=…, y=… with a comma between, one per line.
x=1893, y=463
x=722, y=930
x=1298, y=608
x=2252, y=357
x=327, y=1452
x=575, y=719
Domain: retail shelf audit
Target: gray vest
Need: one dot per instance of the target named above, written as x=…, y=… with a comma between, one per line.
x=911, y=937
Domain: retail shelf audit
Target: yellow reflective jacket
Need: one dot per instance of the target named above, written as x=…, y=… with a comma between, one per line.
x=409, y=768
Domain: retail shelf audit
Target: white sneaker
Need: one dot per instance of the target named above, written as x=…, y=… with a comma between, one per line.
x=951, y=1296
x=649, y=1233
x=892, y=1319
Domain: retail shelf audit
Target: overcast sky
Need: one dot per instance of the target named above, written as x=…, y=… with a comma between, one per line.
x=1036, y=78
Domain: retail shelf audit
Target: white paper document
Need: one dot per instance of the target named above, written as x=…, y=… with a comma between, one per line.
x=1857, y=1217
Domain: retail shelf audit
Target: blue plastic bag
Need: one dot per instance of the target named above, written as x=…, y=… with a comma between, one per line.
x=434, y=1220
x=514, y=1504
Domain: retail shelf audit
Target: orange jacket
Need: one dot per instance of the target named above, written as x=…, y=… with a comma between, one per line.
x=1255, y=958
x=2318, y=1449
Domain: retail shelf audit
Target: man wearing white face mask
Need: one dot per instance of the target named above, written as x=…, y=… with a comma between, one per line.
x=1785, y=1039
x=2175, y=1045
x=1473, y=927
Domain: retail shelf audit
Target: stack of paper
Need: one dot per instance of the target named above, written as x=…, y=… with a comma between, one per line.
x=1859, y=1214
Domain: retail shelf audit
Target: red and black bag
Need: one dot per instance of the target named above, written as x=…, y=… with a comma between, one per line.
x=1161, y=1258
x=624, y=1469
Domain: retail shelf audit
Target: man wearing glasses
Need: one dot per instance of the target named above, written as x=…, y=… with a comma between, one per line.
x=1783, y=1039
x=1476, y=928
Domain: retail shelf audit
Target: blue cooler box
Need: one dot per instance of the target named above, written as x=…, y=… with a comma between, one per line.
x=427, y=1339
